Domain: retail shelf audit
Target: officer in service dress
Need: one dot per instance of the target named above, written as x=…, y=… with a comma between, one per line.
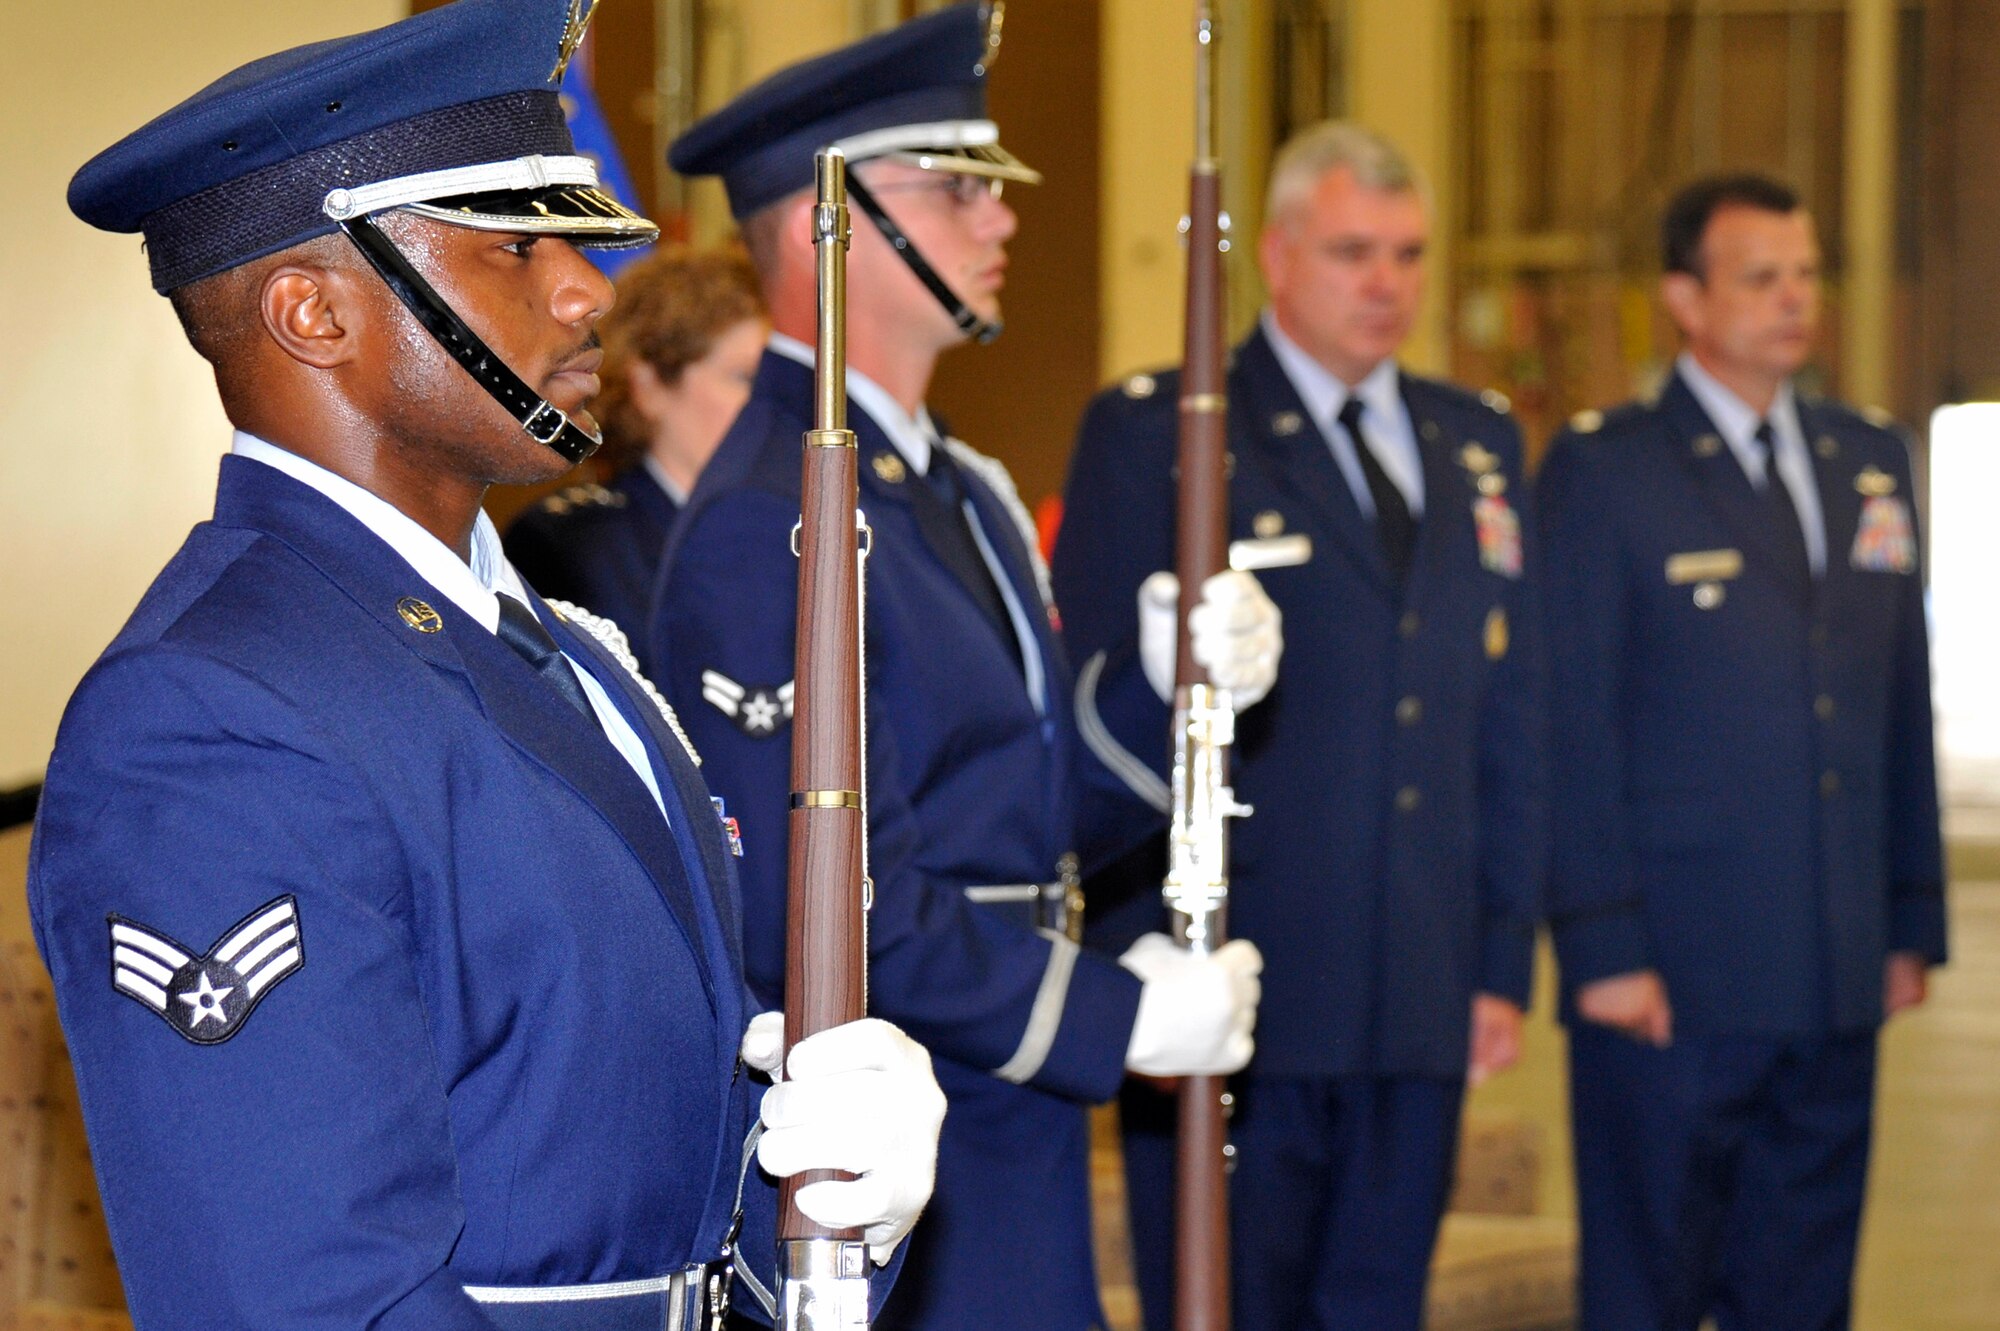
x=394, y=934
x=680, y=350
x=1747, y=874
x=1391, y=870
x=982, y=800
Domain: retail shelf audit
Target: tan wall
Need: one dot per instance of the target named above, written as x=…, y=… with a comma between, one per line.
x=113, y=430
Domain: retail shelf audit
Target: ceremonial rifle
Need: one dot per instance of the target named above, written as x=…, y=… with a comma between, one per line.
x=1197, y=885
x=823, y=1273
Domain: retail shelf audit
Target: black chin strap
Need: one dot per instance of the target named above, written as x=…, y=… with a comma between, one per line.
x=974, y=327
x=545, y=424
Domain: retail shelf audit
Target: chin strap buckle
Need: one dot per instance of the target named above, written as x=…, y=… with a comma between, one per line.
x=546, y=424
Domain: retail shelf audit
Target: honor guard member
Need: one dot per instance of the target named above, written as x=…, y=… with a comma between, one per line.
x=1747, y=873
x=1390, y=873
x=394, y=933
x=980, y=795
x=680, y=351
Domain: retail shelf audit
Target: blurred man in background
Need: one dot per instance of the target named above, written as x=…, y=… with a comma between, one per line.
x=1747, y=874
x=1391, y=871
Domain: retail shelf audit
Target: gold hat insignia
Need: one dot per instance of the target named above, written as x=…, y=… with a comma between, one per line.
x=572, y=35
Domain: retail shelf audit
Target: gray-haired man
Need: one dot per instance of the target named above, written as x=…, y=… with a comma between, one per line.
x=1390, y=875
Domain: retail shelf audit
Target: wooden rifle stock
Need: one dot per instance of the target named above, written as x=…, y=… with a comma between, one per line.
x=1197, y=880
x=823, y=1273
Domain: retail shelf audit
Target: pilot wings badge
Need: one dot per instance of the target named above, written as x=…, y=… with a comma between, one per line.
x=207, y=998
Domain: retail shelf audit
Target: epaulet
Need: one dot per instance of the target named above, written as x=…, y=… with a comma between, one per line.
x=999, y=480
x=613, y=640
x=1145, y=385
x=581, y=496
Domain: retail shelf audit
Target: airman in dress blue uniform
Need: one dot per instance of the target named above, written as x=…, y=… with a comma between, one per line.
x=1747, y=870
x=982, y=801
x=1391, y=869
x=394, y=933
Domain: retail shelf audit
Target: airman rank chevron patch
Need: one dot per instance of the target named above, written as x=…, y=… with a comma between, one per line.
x=207, y=998
x=758, y=711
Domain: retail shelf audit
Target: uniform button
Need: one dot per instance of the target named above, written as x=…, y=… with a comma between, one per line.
x=1823, y=707
x=1409, y=711
x=1407, y=625
x=1408, y=798
x=1829, y=783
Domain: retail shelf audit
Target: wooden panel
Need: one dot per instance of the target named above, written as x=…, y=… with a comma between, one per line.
x=1020, y=398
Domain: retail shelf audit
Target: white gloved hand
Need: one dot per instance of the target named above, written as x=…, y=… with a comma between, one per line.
x=1238, y=634
x=763, y=1046
x=1196, y=1011
x=859, y=1098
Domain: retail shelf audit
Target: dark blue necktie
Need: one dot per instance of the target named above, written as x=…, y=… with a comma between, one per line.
x=1780, y=514
x=520, y=630
x=1394, y=527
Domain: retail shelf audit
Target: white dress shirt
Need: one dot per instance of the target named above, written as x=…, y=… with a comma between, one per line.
x=914, y=437
x=1737, y=424
x=1385, y=419
x=473, y=588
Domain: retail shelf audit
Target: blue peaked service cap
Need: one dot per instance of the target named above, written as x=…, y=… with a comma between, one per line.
x=916, y=92
x=454, y=113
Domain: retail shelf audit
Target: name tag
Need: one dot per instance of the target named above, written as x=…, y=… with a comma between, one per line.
x=1703, y=566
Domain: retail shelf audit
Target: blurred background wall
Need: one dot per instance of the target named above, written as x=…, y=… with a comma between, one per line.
x=1550, y=130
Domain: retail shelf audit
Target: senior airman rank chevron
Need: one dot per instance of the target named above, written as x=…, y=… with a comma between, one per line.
x=207, y=998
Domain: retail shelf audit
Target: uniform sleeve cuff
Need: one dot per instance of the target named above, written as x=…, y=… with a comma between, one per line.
x=1917, y=923
x=1507, y=961
x=1084, y=1057
x=1601, y=944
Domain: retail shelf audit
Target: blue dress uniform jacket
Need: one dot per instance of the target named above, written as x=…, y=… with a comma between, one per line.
x=508, y=1057
x=1747, y=797
x=1393, y=864
x=598, y=546
x=968, y=785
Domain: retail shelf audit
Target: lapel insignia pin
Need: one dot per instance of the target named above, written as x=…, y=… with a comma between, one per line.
x=1873, y=481
x=889, y=467
x=1827, y=446
x=207, y=998
x=758, y=711
x=1267, y=524
x=419, y=615
x=1287, y=423
x=1707, y=446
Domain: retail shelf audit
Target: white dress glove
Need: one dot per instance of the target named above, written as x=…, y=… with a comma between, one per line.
x=859, y=1098
x=1238, y=634
x=1196, y=1011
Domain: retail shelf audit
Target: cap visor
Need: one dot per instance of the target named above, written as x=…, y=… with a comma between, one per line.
x=984, y=159
x=581, y=214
